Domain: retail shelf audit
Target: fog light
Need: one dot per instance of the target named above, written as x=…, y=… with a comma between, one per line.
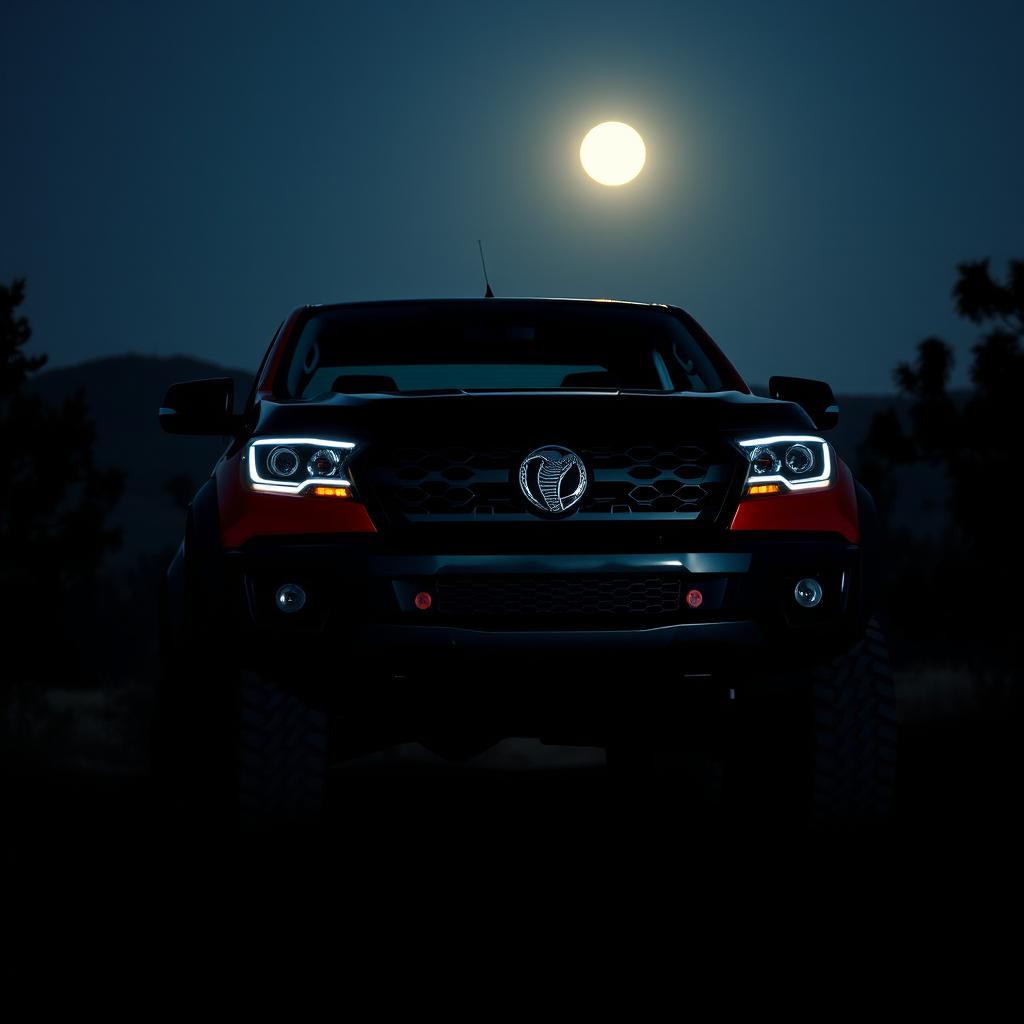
x=290, y=598
x=694, y=598
x=423, y=600
x=808, y=593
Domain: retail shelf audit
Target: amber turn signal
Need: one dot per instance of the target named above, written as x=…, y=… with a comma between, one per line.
x=331, y=492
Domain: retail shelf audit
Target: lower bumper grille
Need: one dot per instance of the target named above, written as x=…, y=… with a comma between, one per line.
x=546, y=597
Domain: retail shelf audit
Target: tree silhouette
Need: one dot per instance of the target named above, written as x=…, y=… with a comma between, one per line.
x=974, y=571
x=54, y=506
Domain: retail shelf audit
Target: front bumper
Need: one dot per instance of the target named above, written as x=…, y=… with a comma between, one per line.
x=361, y=602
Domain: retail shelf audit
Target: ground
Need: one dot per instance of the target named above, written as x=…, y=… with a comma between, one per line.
x=525, y=811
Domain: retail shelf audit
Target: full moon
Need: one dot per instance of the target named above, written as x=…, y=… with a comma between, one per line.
x=612, y=153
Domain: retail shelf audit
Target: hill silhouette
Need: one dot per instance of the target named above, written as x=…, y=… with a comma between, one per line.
x=123, y=395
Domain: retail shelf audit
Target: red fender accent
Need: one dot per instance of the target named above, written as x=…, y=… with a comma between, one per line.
x=831, y=511
x=245, y=513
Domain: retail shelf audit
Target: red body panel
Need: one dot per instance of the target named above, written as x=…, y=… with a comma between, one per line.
x=831, y=511
x=245, y=514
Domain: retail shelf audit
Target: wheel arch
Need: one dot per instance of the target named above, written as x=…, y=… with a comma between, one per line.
x=191, y=592
x=871, y=551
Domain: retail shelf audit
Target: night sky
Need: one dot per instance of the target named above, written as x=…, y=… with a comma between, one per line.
x=176, y=177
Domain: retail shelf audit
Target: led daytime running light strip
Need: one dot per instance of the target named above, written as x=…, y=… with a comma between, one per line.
x=260, y=483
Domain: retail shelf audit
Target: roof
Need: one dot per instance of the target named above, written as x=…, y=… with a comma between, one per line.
x=494, y=303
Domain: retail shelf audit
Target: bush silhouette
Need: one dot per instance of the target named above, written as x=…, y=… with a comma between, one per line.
x=960, y=593
x=54, y=509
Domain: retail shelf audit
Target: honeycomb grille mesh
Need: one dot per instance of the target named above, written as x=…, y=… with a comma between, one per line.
x=452, y=482
x=546, y=597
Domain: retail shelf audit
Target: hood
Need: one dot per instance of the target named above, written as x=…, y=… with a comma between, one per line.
x=530, y=418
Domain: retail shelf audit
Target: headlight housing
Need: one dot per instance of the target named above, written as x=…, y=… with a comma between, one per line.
x=298, y=465
x=787, y=462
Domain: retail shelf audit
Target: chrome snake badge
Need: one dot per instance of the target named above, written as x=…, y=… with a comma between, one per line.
x=552, y=478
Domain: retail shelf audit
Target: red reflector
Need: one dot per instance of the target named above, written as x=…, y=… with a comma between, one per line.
x=423, y=600
x=694, y=598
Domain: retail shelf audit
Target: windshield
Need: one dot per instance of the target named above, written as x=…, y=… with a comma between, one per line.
x=427, y=347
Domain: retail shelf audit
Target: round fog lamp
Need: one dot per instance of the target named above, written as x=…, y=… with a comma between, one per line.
x=290, y=598
x=808, y=593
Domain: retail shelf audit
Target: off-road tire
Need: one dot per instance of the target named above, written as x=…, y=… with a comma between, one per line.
x=230, y=746
x=819, y=743
x=815, y=745
x=282, y=752
x=855, y=733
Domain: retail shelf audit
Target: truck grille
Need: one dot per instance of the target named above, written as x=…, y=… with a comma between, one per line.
x=454, y=484
x=545, y=597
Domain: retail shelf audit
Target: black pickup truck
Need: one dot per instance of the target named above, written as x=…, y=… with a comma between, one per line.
x=455, y=521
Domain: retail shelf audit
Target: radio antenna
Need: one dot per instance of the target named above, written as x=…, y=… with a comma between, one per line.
x=489, y=294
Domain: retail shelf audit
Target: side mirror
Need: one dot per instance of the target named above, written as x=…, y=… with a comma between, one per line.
x=814, y=396
x=200, y=407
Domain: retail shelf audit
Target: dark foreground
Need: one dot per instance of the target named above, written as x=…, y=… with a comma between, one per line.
x=524, y=815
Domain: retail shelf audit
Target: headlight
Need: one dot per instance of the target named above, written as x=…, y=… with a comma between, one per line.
x=787, y=462
x=283, y=461
x=291, y=465
x=324, y=462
